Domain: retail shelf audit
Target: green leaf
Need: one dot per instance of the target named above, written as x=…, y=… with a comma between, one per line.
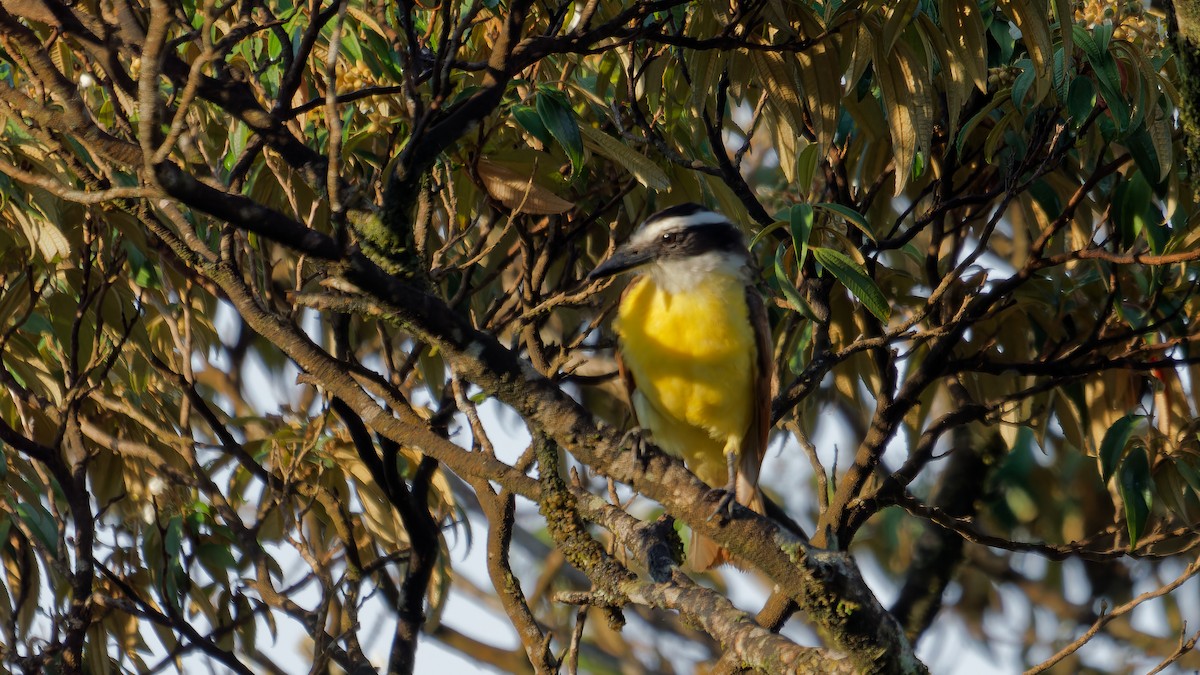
x=383, y=53
x=855, y=279
x=1002, y=34
x=348, y=43
x=1157, y=235
x=1185, y=468
x=1130, y=203
x=964, y=133
x=16, y=376
x=790, y=293
x=172, y=541
x=779, y=222
x=38, y=324
x=528, y=118
x=1115, y=440
x=560, y=121
x=1145, y=155
x=433, y=371
x=798, y=359
x=274, y=46
x=145, y=273
x=174, y=579
x=806, y=166
x=849, y=215
x=1083, y=38
x=800, y=222
x=1109, y=79
x=217, y=560
x=466, y=93
x=41, y=523
x=1023, y=82
x=1095, y=46
x=1000, y=135
x=152, y=551
x=1060, y=74
x=1081, y=99
x=1046, y=197
x=1137, y=493
x=1103, y=32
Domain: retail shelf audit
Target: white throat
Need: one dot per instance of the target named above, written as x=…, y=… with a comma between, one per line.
x=675, y=275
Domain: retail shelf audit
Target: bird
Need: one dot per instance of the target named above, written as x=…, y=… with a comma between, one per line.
x=694, y=352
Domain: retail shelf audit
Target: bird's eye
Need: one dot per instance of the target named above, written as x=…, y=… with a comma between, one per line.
x=670, y=237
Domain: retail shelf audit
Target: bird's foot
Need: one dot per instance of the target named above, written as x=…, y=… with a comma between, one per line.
x=728, y=493
x=724, y=509
x=635, y=440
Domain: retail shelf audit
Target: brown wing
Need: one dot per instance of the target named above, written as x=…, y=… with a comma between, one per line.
x=627, y=380
x=754, y=444
x=623, y=371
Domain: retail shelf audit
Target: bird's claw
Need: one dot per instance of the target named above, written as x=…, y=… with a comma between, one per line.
x=635, y=440
x=724, y=509
x=728, y=498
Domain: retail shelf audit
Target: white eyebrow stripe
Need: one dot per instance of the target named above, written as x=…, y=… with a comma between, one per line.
x=654, y=229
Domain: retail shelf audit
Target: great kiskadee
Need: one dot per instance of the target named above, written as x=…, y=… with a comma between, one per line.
x=694, y=352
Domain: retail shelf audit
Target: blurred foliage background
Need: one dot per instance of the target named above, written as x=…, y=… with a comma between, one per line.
x=237, y=239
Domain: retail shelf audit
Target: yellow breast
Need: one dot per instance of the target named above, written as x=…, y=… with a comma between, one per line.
x=692, y=356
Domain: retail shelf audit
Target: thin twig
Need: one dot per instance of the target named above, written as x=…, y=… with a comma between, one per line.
x=1107, y=617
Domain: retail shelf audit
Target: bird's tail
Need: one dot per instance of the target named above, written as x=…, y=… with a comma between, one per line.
x=705, y=554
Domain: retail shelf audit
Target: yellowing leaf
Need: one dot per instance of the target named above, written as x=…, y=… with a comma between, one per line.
x=1066, y=21
x=868, y=116
x=366, y=19
x=901, y=13
x=787, y=146
x=1106, y=399
x=780, y=84
x=819, y=73
x=806, y=167
x=963, y=26
x=955, y=78
x=378, y=515
x=1158, y=126
x=647, y=172
x=861, y=51
x=906, y=96
x=44, y=236
x=706, y=67
x=991, y=145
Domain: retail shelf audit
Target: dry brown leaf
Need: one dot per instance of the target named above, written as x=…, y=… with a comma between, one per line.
x=520, y=193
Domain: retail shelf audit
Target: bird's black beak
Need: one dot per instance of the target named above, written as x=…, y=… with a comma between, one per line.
x=625, y=258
